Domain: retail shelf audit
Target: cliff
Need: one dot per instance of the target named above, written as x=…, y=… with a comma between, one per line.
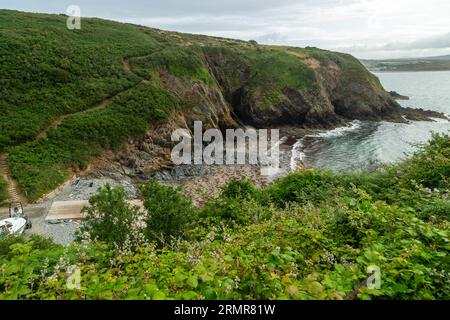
x=67, y=96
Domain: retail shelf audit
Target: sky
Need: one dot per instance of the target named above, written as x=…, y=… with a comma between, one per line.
x=370, y=29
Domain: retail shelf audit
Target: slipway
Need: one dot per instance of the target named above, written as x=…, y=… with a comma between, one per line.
x=72, y=210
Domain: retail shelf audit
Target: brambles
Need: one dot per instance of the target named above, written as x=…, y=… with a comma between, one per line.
x=317, y=241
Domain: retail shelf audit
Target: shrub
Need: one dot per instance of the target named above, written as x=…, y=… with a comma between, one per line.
x=37, y=242
x=304, y=186
x=112, y=220
x=169, y=212
x=429, y=166
x=240, y=189
x=234, y=212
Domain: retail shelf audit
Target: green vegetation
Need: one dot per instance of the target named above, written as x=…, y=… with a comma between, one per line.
x=353, y=70
x=3, y=191
x=170, y=212
x=47, y=70
x=179, y=61
x=42, y=165
x=311, y=235
x=53, y=80
x=273, y=71
x=111, y=220
x=270, y=71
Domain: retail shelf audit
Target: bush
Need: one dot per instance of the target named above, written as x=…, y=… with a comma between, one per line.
x=42, y=165
x=430, y=166
x=37, y=242
x=112, y=220
x=240, y=189
x=303, y=187
x=169, y=212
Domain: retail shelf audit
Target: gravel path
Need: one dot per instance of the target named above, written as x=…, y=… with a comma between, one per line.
x=60, y=232
x=63, y=232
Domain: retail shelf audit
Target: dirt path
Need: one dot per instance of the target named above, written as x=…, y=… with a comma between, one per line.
x=55, y=124
x=103, y=104
x=14, y=193
x=126, y=65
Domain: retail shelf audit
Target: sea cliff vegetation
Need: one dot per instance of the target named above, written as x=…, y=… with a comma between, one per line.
x=310, y=235
x=66, y=96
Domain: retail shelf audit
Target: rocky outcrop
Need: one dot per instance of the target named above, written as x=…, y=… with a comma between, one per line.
x=343, y=91
x=199, y=102
x=398, y=96
x=332, y=90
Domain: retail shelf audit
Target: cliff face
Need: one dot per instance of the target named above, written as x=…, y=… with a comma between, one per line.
x=227, y=85
x=68, y=96
x=303, y=87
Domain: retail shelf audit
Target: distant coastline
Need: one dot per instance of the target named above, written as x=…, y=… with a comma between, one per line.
x=441, y=63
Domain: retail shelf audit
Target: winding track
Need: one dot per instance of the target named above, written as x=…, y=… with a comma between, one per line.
x=102, y=104
x=14, y=193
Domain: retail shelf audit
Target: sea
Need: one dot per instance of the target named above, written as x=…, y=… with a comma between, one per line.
x=365, y=145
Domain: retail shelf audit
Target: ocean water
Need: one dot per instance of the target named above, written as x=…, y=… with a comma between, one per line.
x=365, y=145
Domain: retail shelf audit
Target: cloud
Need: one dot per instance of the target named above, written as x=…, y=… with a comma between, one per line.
x=434, y=42
x=366, y=28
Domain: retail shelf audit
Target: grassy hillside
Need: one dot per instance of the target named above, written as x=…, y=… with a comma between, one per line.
x=47, y=70
x=68, y=95
x=310, y=235
x=441, y=63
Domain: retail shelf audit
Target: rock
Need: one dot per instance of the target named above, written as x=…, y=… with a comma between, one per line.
x=86, y=188
x=162, y=176
x=398, y=96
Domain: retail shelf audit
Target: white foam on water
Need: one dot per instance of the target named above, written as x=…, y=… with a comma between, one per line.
x=356, y=124
x=298, y=155
x=439, y=120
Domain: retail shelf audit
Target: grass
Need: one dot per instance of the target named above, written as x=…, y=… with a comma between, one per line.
x=180, y=62
x=352, y=69
x=47, y=70
x=264, y=72
x=273, y=71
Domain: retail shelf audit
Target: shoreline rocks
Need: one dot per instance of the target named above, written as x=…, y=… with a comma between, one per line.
x=397, y=96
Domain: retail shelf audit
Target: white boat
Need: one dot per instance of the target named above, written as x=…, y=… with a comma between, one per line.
x=12, y=226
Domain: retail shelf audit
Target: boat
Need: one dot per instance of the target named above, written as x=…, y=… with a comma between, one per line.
x=16, y=211
x=12, y=226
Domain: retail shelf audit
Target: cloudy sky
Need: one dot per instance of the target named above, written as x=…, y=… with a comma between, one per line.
x=365, y=28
